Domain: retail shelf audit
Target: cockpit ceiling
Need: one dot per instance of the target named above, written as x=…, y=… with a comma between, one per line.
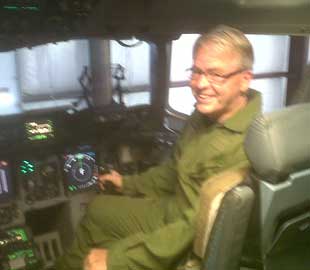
x=30, y=23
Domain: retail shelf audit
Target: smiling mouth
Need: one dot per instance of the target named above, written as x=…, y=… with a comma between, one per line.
x=205, y=98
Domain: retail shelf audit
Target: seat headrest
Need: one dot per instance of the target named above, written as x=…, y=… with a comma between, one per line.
x=278, y=143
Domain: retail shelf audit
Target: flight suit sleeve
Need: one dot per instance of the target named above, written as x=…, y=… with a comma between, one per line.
x=161, y=179
x=161, y=250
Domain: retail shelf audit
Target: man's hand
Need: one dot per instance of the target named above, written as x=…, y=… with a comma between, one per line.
x=114, y=178
x=96, y=259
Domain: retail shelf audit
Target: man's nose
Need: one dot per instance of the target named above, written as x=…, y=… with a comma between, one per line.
x=202, y=82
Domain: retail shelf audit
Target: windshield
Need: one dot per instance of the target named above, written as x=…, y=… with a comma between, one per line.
x=76, y=73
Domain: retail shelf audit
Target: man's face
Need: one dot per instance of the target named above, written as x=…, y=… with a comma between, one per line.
x=217, y=95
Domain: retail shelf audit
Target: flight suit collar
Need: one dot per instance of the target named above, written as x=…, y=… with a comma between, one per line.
x=242, y=119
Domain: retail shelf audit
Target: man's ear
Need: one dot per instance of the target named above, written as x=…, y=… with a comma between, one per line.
x=247, y=77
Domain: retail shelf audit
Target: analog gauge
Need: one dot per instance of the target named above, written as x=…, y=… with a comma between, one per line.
x=81, y=171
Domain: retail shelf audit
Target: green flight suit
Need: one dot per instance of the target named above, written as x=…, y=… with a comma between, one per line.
x=155, y=231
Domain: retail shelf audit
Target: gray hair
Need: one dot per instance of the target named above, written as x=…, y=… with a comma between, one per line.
x=225, y=37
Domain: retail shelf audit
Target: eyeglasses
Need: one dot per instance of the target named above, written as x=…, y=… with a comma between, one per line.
x=212, y=77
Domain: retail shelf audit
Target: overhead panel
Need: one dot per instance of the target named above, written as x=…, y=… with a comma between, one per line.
x=33, y=22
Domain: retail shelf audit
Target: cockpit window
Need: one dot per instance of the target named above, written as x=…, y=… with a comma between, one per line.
x=270, y=71
x=180, y=97
x=9, y=94
x=51, y=71
x=62, y=74
x=130, y=62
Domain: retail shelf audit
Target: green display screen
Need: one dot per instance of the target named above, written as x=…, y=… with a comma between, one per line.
x=39, y=130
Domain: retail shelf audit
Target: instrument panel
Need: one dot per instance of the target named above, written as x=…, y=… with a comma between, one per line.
x=54, y=155
x=49, y=167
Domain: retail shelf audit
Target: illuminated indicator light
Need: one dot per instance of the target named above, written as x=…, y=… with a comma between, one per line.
x=38, y=137
x=31, y=8
x=11, y=7
x=72, y=188
x=79, y=156
x=12, y=256
x=23, y=171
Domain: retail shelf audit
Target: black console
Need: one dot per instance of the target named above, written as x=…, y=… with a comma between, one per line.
x=39, y=180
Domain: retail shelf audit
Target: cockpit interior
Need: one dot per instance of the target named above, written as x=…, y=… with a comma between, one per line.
x=92, y=85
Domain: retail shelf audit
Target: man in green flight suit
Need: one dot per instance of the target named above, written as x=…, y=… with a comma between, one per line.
x=154, y=231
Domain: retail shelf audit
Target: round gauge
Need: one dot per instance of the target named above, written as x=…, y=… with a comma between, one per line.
x=81, y=171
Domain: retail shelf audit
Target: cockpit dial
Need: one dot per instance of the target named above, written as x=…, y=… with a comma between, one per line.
x=81, y=171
